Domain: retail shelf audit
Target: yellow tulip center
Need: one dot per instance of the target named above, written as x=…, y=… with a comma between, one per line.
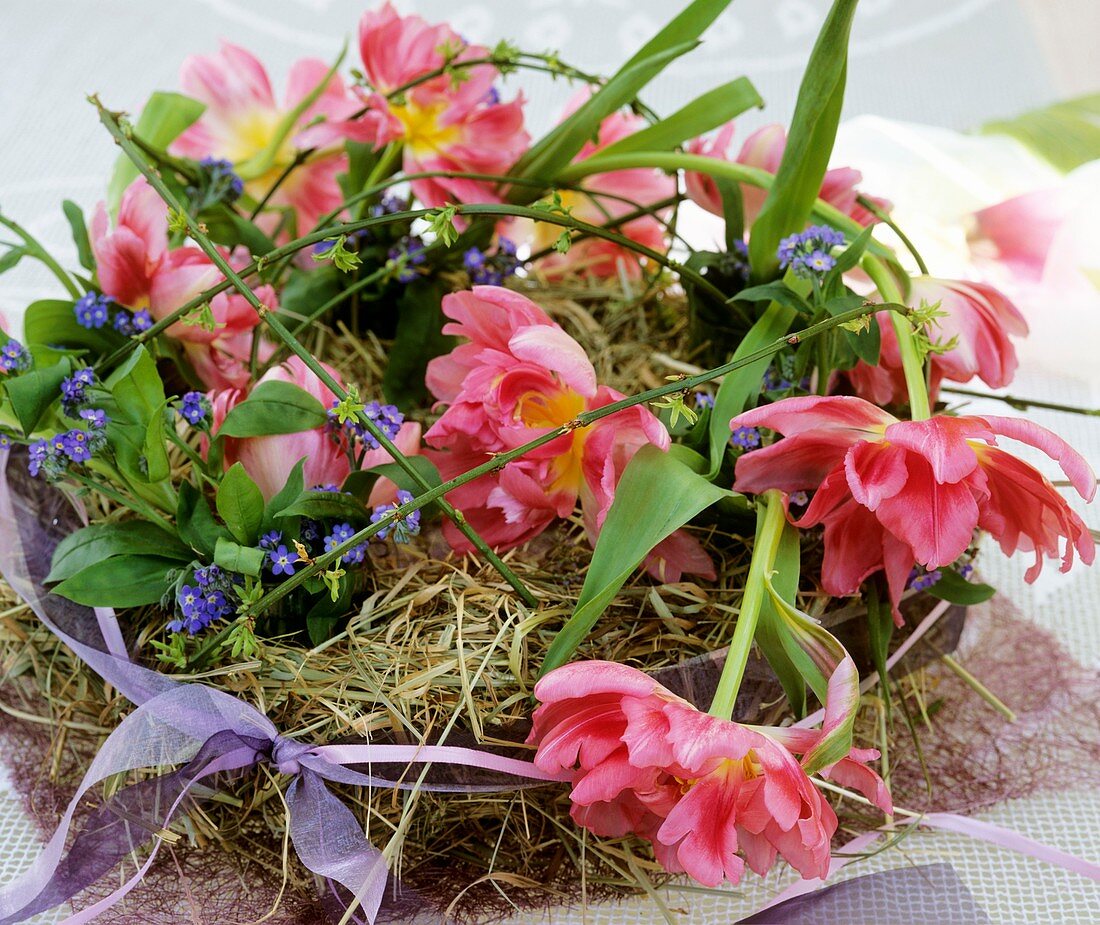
x=424, y=133
x=539, y=410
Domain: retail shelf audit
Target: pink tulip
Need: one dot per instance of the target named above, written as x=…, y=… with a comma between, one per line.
x=518, y=375
x=710, y=795
x=609, y=196
x=893, y=494
x=445, y=124
x=242, y=116
x=978, y=319
x=764, y=149
x=1022, y=230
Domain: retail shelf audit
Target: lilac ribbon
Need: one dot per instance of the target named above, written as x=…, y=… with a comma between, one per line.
x=207, y=731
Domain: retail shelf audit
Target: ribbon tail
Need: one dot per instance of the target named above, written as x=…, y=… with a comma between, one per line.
x=330, y=842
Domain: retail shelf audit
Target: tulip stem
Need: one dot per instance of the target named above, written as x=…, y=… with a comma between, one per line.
x=980, y=689
x=911, y=362
x=764, y=551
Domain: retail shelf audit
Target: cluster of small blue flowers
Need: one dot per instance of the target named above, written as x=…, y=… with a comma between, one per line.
x=194, y=408
x=734, y=263
x=388, y=205
x=341, y=533
x=74, y=394
x=385, y=417
x=14, y=357
x=776, y=379
x=217, y=183
x=212, y=597
x=809, y=253
x=402, y=529
x=491, y=269
x=747, y=438
x=128, y=324
x=408, y=254
x=703, y=400
x=93, y=310
x=922, y=581
x=966, y=570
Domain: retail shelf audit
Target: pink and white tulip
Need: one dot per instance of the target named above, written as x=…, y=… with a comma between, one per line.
x=764, y=149
x=445, y=124
x=978, y=318
x=710, y=795
x=892, y=494
x=242, y=118
x=516, y=376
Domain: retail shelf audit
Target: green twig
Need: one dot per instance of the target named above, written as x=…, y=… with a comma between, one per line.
x=36, y=250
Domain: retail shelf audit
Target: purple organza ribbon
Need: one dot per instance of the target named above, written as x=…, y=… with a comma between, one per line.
x=207, y=731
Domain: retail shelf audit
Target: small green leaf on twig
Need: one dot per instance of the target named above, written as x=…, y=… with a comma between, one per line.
x=442, y=224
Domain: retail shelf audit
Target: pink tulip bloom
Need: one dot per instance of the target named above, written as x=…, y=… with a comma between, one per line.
x=609, y=196
x=710, y=795
x=892, y=494
x=978, y=318
x=516, y=376
x=445, y=124
x=764, y=149
x=242, y=117
x=269, y=460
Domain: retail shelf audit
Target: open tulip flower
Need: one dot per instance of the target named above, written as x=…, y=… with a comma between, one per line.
x=710, y=794
x=517, y=376
x=244, y=125
x=976, y=328
x=892, y=494
x=445, y=124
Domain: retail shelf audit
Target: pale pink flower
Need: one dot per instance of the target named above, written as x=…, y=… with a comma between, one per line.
x=710, y=795
x=892, y=494
x=445, y=123
x=980, y=321
x=516, y=376
x=242, y=116
x=764, y=149
x=608, y=196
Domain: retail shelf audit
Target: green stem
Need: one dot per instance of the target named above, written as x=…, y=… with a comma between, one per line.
x=763, y=559
x=280, y=330
x=36, y=250
x=133, y=504
x=911, y=362
x=1022, y=404
x=582, y=420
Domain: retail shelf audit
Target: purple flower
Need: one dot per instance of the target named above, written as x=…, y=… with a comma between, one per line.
x=799, y=498
x=76, y=445
x=403, y=528
x=410, y=251
x=5, y=442
x=385, y=417
x=704, y=400
x=94, y=417
x=142, y=320
x=282, y=562
x=38, y=454
x=271, y=540
x=92, y=310
x=809, y=253
x=74, y=391
x=193, y=408
x=14, y=357
x=922, y=582
x=966, y=571
x=748, y=438
x=491, y=269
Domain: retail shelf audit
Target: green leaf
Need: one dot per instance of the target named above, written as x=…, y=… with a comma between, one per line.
x=93, y=544
x=137, y=398
x=165, y=117
x=52, y=322
x=708, y=111
x=121, y=581
x=657, y=494
x=240, y=504
x=419, y=338
x=772, y=629
x=867, y=343
x=776, y=291
x=233, y=557
x=880, y=629
x=850, y=256
x=324, y=616
x=306, y=291
x=32, y=393
x=742, y=386
x=285, y=496
x=402, y=479
x=791, y=199
x=274, y=407
x=954, y=588
x=224, y=226
x=195, y=522
x=12, y=257
x=1066, y=134
x=326, y=505
x=75, y=217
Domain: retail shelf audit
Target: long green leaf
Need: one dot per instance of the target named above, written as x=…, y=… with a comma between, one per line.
x=32, y=393
x=93, y=544
x=121, y=581
x=165, y=117
x=75, y=218
x=771, y=628
x=240, y=504
x=743, y=385
x=1067, y=134
x=51, y=321
x=657, y=494
x=708, y=111
x=809, y=144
